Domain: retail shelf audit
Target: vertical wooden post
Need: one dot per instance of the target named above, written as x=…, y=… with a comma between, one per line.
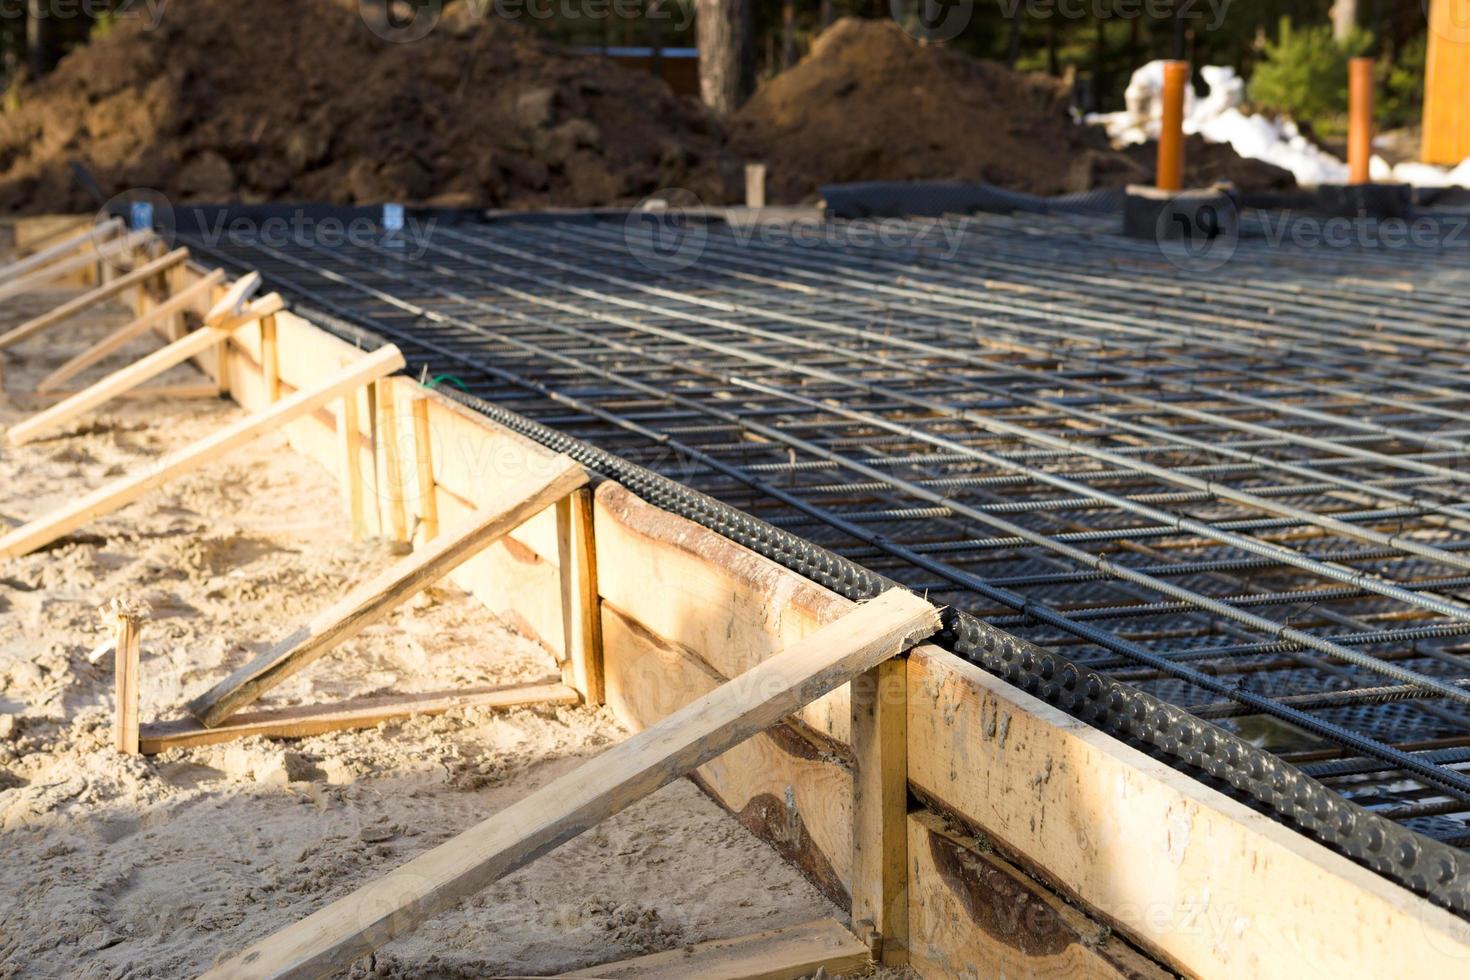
x=755, y=185
x=1360, y=120
x=1170, y=169
x=126, y=619
x=580, y=608
x=349, y=441
x=389, y=427
x=880, y=913
x=270, y=359
x=424, y=459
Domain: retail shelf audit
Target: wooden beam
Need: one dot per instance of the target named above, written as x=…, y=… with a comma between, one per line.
x=349, y=449
x=880, y=810
x=391, y=478
x=970, y=909
x=118, y=246
x=119, y=338
x=91, y=298
x=120, y=493
x=581, y=615
x=775, y=954
x=375, y=598
x=126, y=621
x=130, y=377
x=354, y=926
x=315, y=719
x=423, y=446
x=198, y=389
x=270, y=358
x=1192, y=876
x=81, y=239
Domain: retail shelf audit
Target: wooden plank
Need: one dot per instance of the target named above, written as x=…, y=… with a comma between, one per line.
x=581, y=616
x=199, y=389
x=375, y=598
x=775, y=954
x=315, y=719
x=120, y=493
x=788, y=786
x=972, y=913
x=349, y=449
x=104, y=252
x=91, y=298
x=270, y=358
x=135, y=374
x=332, y=938
x=390, y=480
x=81, y=239
x=120, y=337
x=880, y=810
x=423, y=443
x=126, y=621
x=1193, y=877
x=703, y=591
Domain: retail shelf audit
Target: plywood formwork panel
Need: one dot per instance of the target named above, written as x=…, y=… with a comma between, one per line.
x=1190, y=874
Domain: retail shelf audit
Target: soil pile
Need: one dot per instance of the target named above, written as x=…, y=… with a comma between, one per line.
x=298, y=100
x=871, y=103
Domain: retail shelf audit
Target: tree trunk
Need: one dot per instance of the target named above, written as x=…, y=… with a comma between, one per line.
x=788, y=34
x=726, y=63
x=40, y=38
x=1344, y=18
x=1013, y=43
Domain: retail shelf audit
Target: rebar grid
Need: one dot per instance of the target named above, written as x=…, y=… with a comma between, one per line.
x=1244, y=492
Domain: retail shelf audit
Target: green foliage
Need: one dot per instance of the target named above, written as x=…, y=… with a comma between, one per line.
x=1304, y=73
x=1401, y=86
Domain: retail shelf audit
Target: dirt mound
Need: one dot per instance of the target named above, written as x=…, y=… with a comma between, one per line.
x=1207, y=163
x=299, y=100
x=870, y=103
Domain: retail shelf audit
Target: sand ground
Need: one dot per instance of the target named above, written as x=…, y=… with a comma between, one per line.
x=154, y=867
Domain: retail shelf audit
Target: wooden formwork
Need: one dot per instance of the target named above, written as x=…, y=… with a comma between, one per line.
x=973, y=830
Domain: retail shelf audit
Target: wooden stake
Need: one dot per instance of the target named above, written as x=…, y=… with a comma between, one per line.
x=755, y=185
x=81, y=239
x=90, y=299
x=1170, y=166
x=270, y=359
x=126, y=618
x=349, y=441
x=314, y=719
x=137, y=373
x=580, y=608
x=424, y=460
x=375, y=598
x=391, y=478
x=880, y=809
x=119, y=338
x=332, y=938
x=120, y=493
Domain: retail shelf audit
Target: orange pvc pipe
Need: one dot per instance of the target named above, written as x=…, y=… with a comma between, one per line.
x=1360, y=119
x=1170, y=168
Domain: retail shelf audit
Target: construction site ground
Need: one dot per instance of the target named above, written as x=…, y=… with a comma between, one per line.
x=156, y=866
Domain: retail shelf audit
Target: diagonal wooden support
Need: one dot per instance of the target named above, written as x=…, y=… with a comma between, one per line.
x=103, y=252
x=137, y=373
x=332, y=938
x=512, y=505
x=90, y=299
x=89, y=236
x=775, y=954
x=119, y=338
x=105, y=500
